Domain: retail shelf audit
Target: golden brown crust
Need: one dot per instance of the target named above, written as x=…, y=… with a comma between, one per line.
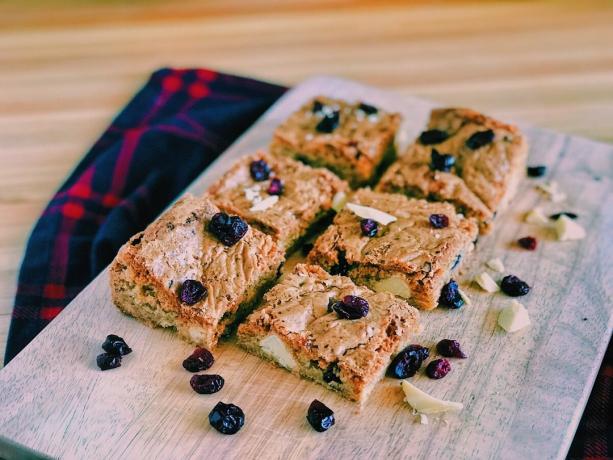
x=358, y=351
x=307, y=196
x=424, y=258
x=149, y=269
x=354, y=150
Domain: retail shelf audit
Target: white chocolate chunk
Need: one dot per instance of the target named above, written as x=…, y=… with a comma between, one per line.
x=537, y=217
x=338, y=201
x=366, y=212
x=486, y=282
x=393, y=285
x=567, y=229
x=265, y=204
x=513, y=317
x=495, y=264
x=464, y=297
x=423, y=403
x=276, y=349
x=423, y=419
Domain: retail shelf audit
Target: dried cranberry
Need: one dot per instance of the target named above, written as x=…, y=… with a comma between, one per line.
x=527, y=242
x=306, y=248
x=191, y=292
x=331, y=374
x=200, y=360
x=406, y=363
x=369, y=227
x=368, y=109
x=450, y=296
x=116, y=345
x=351, y=307
x=275, y=187
x=432, y=136
x=570, y=215
x=439, y=220
x=106, y=361
x=480, y=139
x=227, y=418
x=536, y=171
x=450, y=349
x=206, y=384
x=329, y=122
x=228, y=229
x=320, y=416
x=441, y=161
x=512, y=286
x=259, y=170
x=317, y=106
x=438, y=368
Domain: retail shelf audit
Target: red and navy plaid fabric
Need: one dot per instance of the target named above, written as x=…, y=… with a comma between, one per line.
x=178, y=123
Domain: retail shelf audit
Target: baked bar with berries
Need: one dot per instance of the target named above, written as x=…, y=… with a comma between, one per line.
x=279, y=196
x=327, y=329
x=355, y=140
x=468, y=159
x=392, y=243
x=195, y=269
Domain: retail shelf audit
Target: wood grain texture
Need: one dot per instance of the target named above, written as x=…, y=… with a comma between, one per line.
x=68, y=66
x=523, y=393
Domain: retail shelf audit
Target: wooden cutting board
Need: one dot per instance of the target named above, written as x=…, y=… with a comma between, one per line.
x=523, y=393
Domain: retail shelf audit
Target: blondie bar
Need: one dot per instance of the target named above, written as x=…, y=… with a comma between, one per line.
x=391, y=243
x=194, y=269
x=306, y=325
x=355, y=140
x=279, y=196
x=465, y=158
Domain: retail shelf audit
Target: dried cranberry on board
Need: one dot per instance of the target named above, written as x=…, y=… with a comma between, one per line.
x=512, y=286
x=200, y=360
x=227, y=418
x=536, y=171
x=438, y=368
x=106, y=361
x=450, y=349
x=406, y=363
x=527, y=242
x=116, y=345
x=320, y=416
x=450, y=296
x=206, y=384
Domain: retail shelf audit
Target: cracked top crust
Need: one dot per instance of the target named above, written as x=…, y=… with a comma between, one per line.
x=297, y=310
x=178, y=246
x=307, y=193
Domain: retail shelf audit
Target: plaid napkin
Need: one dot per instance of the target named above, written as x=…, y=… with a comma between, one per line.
x=177, y=124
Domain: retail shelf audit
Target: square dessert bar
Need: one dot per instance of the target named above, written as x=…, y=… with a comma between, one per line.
x=413, y=255
x=279, y=196
x=179, y=273
x=355, y=140
x=300, y=328
x=468, y=159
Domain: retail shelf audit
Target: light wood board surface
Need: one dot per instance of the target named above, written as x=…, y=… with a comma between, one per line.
x=66, y=67
x=523, y=393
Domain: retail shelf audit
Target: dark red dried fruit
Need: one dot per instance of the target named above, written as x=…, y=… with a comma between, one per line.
x=206, y=384
x=320, y=416
x=432, y=136
x=259, y=170
x=329, y=122
x=441, y=161
x=368, y=109
x=527, y=242
x=439, y=220
x=406, y=363
x=512, y=286
x=200, y=360
x=331, y=374
x=351, y=307
x=438, y=368
x=191, y=292
x=369, y=227
x=227, y=418
x=317, y=106
x=450, y=296
x=570, y=215
x=450, y=349
x=116, y=345
x=536, y=171
x=106, y=361
x=480, y=139
x=228, y=229
x=275, y=187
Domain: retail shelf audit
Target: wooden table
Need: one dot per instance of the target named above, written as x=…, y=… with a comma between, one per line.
x=67, y=67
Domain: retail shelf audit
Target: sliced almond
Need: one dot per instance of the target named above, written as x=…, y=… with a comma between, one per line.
x=513, y=317
x=567, y=229
x=264, y=204
x=423, y=403
x=366, y=212
x=495, y=264
x=486, y=282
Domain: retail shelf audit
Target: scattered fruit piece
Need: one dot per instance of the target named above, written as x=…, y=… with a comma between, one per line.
x=439, y=220
x=450, y=296
x=351, y=307
x=480, y=139
x=567, y=229
x=226, y=418
x=369, y=227
x=536, y=171
x=116, y=345
x=537, y=217
x=438, y=368
x=406, y=363
x=496, y=265
x=200, y=360
x=486, y=282
x=206, y=384
x=329, y=122
x=557, y=215
x=191, y=292
x=527, y=242
x=366, y=212
x=368, y=109
x=320, y=416
x=259, y=170
x=450, y=349
x=423, y=403
x=432, y=136
x=511, y=285
x=513, y=317
x=441, y=161
x=228, y=229
x=275, y=187
x=106, y=361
